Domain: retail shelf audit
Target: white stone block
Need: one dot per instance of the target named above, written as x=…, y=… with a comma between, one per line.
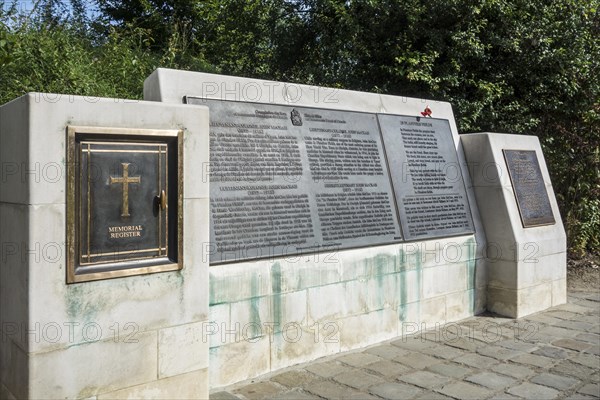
x=93, y=368
x=182, y=349
x=236, y=362
x=296, y=344
x=366, y=329
x=193, y=385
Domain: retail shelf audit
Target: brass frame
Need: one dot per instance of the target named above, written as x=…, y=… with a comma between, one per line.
x=72, y=204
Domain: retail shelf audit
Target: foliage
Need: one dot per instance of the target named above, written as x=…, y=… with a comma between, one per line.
x=524, y=66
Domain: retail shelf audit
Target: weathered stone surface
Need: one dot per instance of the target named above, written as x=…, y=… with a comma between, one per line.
x=331, y=390
x=592, y=389
x=498, y=352
x=327, y=369
x=451, y=370
x=387, y=351
x=569, y=368
x=223, y=395
x=571, y=344
x=260, y=390
x=424, y=379
x=359, y=359
x=394, y=391
x=533, y=391
x=462, y=390
x=295, y=394
x=514, y=370
x=417, y=360
x=491, y=380
x=358, y=379
x=387, y=368
x=535, y=360
x=294, y=378
x=476, y=361
x=555, y=381
x=553, y=352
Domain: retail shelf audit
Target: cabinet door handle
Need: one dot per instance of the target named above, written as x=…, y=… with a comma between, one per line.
x=162, y=200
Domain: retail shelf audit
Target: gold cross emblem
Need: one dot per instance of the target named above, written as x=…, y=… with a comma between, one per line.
x=125, y=180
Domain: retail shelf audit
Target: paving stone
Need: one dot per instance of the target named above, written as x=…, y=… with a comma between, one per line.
x=387, y=368
x=555, y=332
x=327, y=369
x=394, y=391
x=413, y=343
x=555, y=381
x=259, y=390
x=595, y=329
x=544, y=319
x=532, y=359
x=553, y=352
x=424, y=379
x=223, y=395
x=589, y=360
x=360, y=396
x=591, y=389
x=417, y=360
x=332, y=390
x=571, y=344
x=516, y=344
x=498, y=352
x=462, y=390
x=562, y=314
x=593, y=350
x=466, y=344
x=575, y=325
x=387, y=351
x=491, y=380
x=295, y=394
x=429, y=395
x=579, y=396
x=514, y=370
x=592, y=319
x=503, y=396
x=589, y=338
x=573, y=308
x=533, y=391
x=452, y=370
x=476, y=360
x=444, y=351
x=569, y=368
x=358, y=359
x=358, y=379
x=294, y=378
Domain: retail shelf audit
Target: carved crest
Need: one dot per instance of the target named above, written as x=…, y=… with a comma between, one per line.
x=296, y=118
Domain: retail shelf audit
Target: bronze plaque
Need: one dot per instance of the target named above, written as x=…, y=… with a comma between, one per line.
x=123, y=206
x=529, y=188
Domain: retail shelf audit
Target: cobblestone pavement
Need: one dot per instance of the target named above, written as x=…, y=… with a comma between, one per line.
x=551, y=354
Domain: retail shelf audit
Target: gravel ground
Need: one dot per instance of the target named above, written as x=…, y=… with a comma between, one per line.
x=584, y=274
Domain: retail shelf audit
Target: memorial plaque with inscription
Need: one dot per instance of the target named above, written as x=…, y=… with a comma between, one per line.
x=293, y=180
x=119, y=190
x=427, y=179
x=529, y=188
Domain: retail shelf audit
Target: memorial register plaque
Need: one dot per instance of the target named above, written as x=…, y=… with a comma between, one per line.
x=529, y=188
x=123, y=202
x=287, y=180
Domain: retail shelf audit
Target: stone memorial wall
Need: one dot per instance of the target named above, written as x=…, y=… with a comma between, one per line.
x=338, y=219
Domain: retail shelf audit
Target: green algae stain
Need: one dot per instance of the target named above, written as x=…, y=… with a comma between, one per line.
x=276, y=293
x=471, y=273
